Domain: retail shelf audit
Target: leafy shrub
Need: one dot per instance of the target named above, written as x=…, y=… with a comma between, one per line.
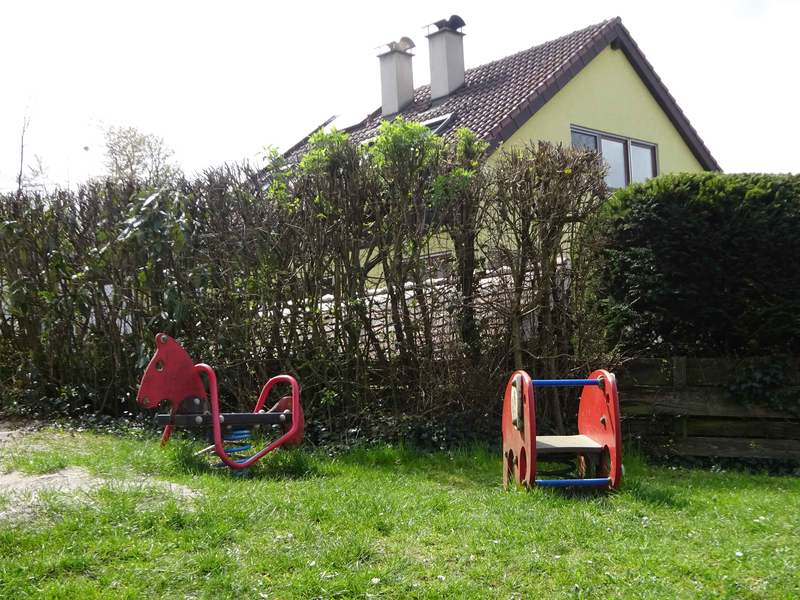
x=318, y=268
x=704, y=265
x=766, y=384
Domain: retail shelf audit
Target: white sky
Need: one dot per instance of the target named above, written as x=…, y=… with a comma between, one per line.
x=220, y=80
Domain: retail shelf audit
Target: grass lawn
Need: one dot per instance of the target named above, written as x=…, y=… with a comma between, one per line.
x=383, y=523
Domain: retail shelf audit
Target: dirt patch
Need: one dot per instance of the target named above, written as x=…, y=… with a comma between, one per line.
x=24, y=490
x=15, y=429
x=21, y=425
x=66, y=480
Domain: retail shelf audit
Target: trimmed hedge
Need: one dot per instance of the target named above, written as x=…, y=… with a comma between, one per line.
x=704, y=265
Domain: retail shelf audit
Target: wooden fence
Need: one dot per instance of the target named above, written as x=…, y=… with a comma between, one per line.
x=678, y=406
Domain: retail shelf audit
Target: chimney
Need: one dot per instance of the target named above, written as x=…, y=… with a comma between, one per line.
x=397, y=81
x=447, y=57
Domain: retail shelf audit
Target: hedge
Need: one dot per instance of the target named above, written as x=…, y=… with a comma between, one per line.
x=704, y=265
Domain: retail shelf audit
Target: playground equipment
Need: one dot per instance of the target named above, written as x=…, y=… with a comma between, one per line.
x=597, y=446
x=172, y=376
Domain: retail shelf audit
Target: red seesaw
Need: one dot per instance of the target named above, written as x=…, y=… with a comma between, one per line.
x=172, y=376
x=598, y=445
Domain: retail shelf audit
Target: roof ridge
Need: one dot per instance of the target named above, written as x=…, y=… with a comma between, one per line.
x=601, y=24
x=500, y=96
x=559, y=75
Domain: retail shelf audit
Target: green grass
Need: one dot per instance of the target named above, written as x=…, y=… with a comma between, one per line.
x=387, y=523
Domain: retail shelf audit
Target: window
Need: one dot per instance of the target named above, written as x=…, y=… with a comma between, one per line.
x=439, y=124
x=630, y=161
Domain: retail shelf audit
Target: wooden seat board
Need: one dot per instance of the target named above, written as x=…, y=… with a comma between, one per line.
x=556, y=444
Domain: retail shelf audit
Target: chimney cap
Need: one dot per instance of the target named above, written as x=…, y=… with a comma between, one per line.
x=454, y=23
x=404, y=44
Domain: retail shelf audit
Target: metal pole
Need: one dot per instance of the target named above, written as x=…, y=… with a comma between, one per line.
x=554, y=382
x=568, y=482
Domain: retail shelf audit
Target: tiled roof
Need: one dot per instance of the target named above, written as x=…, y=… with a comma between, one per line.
x=498, y=97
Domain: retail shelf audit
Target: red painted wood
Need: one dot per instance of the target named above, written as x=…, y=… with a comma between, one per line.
x=598, y=418
x=519, y=444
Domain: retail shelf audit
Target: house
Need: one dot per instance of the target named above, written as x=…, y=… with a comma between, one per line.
x=592, y=88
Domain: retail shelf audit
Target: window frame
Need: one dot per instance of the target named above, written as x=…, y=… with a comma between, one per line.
x=628, y=144
x=439, y=124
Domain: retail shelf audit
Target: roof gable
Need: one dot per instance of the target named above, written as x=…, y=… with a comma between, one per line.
x=499, y=97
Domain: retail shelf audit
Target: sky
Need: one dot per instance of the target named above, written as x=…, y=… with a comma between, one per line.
x=221, y=81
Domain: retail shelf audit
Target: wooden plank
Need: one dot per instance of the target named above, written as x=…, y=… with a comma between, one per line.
x=648, y=426
x=718, y=371
x=712, y=371
x=645, y=371
x=725, y=447
x=697, y=371
x=689, y=400
x=554, y=444
x=780, y=429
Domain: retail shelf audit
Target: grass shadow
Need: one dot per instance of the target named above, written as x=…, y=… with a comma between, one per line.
x=279, y=464
x=656, y=495
x=288, y=464
x=383, y=457
x=463, y=468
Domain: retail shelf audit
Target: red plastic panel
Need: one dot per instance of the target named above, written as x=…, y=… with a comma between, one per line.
x=598, y=418
x=283, y=405
x=170, y=376
x=519, y=445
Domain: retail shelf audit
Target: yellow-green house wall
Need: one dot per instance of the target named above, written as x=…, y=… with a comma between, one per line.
x=608, y=96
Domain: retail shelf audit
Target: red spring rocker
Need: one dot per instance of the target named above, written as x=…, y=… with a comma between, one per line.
x=172, y=376
x=598, y=445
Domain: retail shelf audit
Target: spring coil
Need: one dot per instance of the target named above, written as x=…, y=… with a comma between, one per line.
x=232, y=440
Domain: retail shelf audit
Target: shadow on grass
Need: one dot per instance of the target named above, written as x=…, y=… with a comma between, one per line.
x=292, y=464
x=666, y=493
x=278, y=464
x=463, y=468
x=388, y=458
x=656, y=495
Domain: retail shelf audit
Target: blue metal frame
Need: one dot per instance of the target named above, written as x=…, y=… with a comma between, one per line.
x=548, y=382
x=568, y=482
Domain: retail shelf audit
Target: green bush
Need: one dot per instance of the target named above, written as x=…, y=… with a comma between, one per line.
x=704, y=265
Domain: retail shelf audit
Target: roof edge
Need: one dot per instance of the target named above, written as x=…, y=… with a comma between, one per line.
x=304, y=141
x=612, y=32
x=665, y=100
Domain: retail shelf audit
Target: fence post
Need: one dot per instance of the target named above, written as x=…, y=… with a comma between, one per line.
x=678, y=370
